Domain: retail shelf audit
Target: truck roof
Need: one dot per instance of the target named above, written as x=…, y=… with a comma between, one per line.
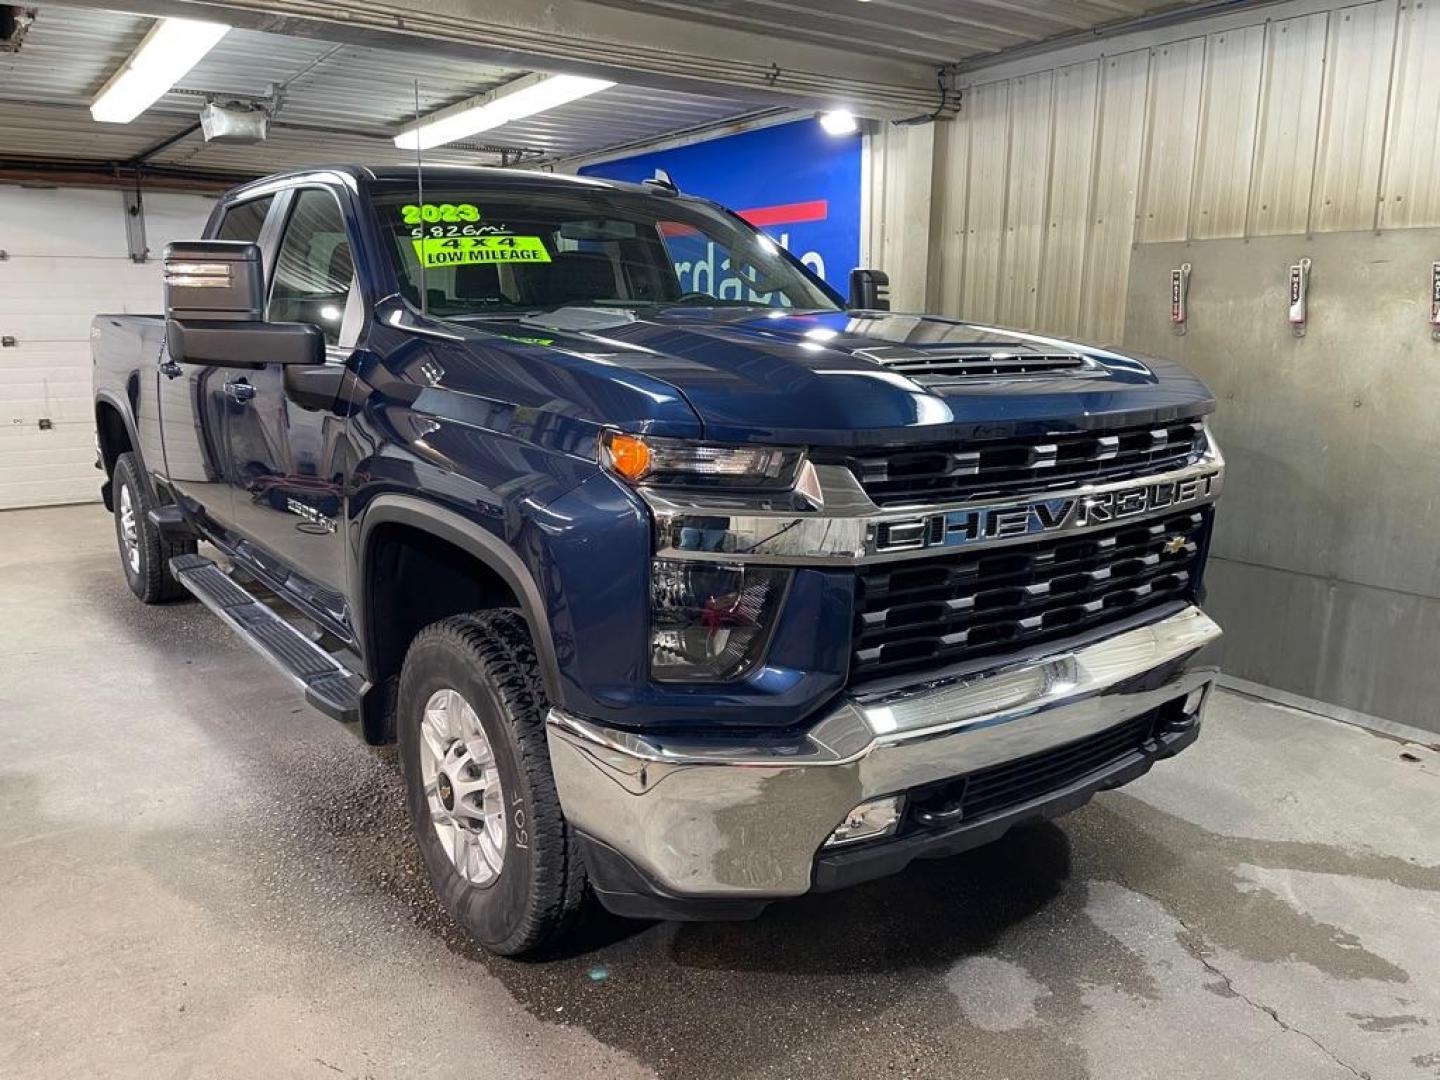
x=441, y=175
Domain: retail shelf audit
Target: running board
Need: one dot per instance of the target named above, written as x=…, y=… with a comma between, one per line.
x=328, y=686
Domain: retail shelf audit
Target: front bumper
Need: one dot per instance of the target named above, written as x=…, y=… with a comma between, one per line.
x=717, y=821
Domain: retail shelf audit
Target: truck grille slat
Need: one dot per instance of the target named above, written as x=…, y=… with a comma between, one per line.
x=943, y=609
x=1037, y=463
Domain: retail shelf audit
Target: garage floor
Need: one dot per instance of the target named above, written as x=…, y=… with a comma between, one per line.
x=199, y=877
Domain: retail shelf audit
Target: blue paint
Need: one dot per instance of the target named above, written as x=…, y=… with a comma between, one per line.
x=775, y=166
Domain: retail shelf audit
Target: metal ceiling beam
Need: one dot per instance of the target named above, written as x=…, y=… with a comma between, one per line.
x=116, y=174
x=586, y=38
x=164, y=144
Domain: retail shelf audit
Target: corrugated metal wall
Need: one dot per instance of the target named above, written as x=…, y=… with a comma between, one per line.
x=1073, y=183
x=1324, y=121
x=895, y=180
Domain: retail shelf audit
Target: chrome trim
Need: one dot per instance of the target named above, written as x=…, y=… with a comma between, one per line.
x=714, y=817
x=849, y=529
x=195, y=275
x=392, y=312
x=310, y=177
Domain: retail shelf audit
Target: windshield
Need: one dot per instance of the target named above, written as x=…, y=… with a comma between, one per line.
x=496, y=251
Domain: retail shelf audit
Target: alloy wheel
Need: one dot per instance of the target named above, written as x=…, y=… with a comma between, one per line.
x=462, y=787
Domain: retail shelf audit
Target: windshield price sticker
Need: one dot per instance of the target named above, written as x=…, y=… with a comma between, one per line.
x=439, y=213
x=463, y=250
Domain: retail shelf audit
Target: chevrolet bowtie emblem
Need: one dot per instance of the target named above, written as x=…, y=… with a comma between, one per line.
x=1174, y=545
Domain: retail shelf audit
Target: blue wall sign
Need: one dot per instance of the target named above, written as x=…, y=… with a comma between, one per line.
x=798, y=184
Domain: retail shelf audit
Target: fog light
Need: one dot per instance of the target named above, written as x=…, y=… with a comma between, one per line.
x=1194, y=701
x=1183, y=714
x=878, y=817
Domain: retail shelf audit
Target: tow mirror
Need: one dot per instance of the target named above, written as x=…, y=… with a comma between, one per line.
x=214, y=280
x=869, y=290
x=215, y=310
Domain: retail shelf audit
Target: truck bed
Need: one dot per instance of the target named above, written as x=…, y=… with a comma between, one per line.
x=125, y=350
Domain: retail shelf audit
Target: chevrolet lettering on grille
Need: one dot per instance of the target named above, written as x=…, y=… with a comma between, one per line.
x=1041, y=516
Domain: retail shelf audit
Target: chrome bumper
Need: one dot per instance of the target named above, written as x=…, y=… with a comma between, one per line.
x=712, y=819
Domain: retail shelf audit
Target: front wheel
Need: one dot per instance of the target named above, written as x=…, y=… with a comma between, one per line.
x=482, y=800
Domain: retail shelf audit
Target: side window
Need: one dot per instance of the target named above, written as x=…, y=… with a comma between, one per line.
x=243, y=221
x=314, y=270
x=708, y=268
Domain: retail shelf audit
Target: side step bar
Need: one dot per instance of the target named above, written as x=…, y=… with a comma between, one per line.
x=327, y=686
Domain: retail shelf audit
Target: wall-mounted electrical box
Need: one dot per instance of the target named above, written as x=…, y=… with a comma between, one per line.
x=1299, y=296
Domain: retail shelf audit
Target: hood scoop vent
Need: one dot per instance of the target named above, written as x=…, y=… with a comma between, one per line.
x=947, y=362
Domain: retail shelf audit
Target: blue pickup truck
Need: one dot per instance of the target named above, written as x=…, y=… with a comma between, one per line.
x=684, y=583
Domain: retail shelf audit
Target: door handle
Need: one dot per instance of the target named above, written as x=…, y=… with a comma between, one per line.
x=239, y=391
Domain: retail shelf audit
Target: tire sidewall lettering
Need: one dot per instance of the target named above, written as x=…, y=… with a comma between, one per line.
x=517, y=820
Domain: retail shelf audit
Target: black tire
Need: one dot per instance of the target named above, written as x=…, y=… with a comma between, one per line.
x=149, y=576
x=487, y=656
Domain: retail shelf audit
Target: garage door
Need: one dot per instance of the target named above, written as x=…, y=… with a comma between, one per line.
x=65, y=260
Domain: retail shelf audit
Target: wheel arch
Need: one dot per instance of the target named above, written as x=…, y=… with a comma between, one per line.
x=424, y=518
x=115, y=435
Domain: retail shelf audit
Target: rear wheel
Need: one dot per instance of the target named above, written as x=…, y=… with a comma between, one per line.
x=471, y=716
x=144, y=553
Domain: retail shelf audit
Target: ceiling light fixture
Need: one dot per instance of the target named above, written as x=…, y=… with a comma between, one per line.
x=169, y=51
x=513, y=101
x=839, y=122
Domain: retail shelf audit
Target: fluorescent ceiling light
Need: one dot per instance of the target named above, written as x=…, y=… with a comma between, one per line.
x=839, y=122
x=513, y=101
x=169, y=51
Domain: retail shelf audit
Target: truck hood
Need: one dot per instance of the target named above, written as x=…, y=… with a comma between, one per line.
x=855, y=379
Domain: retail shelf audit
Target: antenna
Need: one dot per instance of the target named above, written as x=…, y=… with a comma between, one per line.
x=662, y=181
x=420, y=198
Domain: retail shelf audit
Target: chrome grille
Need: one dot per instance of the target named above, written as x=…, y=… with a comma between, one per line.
x=924, y=613
x=991, y=467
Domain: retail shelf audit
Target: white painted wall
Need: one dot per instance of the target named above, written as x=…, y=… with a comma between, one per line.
x=66, y=260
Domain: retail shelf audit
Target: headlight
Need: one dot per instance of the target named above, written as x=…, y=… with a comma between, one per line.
x=673, y=463
x=710, y=621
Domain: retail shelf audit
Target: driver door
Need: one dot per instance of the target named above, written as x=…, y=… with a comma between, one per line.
x=195, y=402
x=289, y=463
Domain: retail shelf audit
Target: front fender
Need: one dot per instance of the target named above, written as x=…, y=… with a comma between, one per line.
x=484, y=546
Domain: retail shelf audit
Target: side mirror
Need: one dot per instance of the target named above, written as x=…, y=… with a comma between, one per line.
x=219, y=280
x=870, y=290
x=215, y=310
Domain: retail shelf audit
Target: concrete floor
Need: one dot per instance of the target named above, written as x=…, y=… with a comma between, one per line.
x=200, y=877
